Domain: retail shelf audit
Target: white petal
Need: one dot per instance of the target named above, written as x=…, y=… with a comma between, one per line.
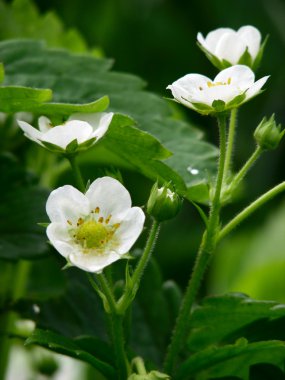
x=191, y=83
x=251, y=37
x=93, y=263
x=110, y=196
x=44, y=124
x=103, y=126
x=230, y=48
x=62, y=135
x=130, y=229
x=212, y=39
x=225, y=93
x=60, y=238
x=30, y=132
x=256, y=87
x=67, y=203
x=240, y=76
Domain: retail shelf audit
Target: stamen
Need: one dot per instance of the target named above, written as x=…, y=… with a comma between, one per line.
x=101, y=219
x=117, y=225
x=80, y=221
x=229, y=80
x=97, y=210
x=69, y=222
x=108, y=219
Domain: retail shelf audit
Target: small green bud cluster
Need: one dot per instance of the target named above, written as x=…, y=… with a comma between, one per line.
x=163, y=203
x=268, y=134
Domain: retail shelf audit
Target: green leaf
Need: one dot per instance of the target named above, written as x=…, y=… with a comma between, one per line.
x=81, y=79
x=221, y=319
x=231, y=360
x=69, y=347
x=16, y=98
x=22, y=206
x=66, y=109
x=151, y=317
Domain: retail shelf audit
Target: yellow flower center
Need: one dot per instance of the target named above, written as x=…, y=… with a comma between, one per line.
x=92, y=234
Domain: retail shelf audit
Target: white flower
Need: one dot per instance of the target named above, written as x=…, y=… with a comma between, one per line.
x=226, y=47
x=230, y=88
x=95, y=229
x=79, y=132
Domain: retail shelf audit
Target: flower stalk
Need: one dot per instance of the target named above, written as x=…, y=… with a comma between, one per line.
x=251, y=209
x=133, y=282
x=76, y=172
x=230, y=141
x=207, y=247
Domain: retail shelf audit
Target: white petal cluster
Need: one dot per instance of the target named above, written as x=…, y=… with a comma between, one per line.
x=95, y=229
x=229, y=45
x=82, y=128
x=233, y=86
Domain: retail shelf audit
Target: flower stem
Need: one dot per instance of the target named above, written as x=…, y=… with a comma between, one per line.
x=243, y=171
x=230, y=141
x=207, y=246
x=76, y=172
x=134, y=282
x=139, y=364
x=251, y=209
x=116, y=327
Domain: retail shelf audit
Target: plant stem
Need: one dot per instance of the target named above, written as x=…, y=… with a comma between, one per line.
x=116, y=329
x=251, y=209
x=76, y=172
x=133, y=285
x=230, y=141
x=207, y=246
x=139, y=364
x=243, y=171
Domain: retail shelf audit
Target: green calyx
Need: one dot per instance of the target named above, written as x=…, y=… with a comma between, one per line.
x=91, y=234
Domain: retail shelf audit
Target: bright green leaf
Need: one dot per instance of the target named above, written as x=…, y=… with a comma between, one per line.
x=220, y=319
x=231, y=360
x=16, y=98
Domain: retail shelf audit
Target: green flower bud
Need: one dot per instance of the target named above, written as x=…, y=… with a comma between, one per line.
x=153, y=375
x=163, y=204
x=268, y=134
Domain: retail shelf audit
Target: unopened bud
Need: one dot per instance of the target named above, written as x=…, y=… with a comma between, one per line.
x=163, y=204
x=268, y=134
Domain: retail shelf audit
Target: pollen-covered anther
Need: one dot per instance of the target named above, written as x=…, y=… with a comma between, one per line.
x=108, y=219
x=101, y=219
x=69, y=222
x=116, y=225
x=97, y=210
x=79, y=222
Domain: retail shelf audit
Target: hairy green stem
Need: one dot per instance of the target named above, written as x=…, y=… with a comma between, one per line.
x=251, y=209
x=115, y=325
x=76, y=172
x=230, y=141
x=207, y=246
x=243, y=171
x=134, y=281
